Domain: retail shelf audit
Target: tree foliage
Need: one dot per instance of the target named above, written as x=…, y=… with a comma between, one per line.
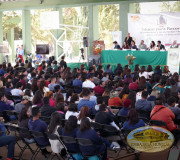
x=167, y=6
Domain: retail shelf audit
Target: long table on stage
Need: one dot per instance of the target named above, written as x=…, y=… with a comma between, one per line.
x=143, y=58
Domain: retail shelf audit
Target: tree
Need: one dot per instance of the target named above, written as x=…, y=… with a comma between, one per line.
x=167, y=6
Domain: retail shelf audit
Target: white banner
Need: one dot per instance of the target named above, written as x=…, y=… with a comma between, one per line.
x=173, y=59
x=164, y=27
x=117, y=36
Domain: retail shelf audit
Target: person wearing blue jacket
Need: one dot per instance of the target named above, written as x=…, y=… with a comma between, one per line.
x=99, y=144
x=143, y=104
x=70, y=129
x=133, y=120
x=35, y=124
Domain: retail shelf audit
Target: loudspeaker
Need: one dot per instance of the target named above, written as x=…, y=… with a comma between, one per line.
x=85, y=41
x=94, y=60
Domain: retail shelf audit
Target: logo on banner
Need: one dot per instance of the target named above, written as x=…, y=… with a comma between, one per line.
x=150, y=139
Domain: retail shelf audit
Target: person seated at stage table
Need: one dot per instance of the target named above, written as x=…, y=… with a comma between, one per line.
x=125, y=46
x=174, y=45
x=133, y=45
x=152, y=46
x=128, y=39
x=116, y=45
x=160, y=46
x=142, y=45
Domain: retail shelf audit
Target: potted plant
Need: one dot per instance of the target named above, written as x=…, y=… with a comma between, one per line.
x=130, y=59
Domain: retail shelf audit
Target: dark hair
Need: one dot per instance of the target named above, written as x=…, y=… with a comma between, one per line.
x=46, y=100
x=60, y=107
x=71, y=124
x=73, y=107
x=56, y=120
x=144, y=94
x=56, y=88
x=143, y=68
x=153, y=44
x=8, y=84
x=171, y=100
x=132, y=97
x=108, y=66
x=85, y=124
x=23, y=114
x=124, y=91
x=157, y=78
x=35, y=111
x=102, y=107
x=86, y=92
x=59, y=99
x=159, y=41
x=42, y=84
x=100, y=100
x=37, y=97
x=149, y=68
x=18, y=84
x=159, y=101
x=74, y=98
x=135, y=78
x=27, y=92
x=133, y=116
x=84, y=112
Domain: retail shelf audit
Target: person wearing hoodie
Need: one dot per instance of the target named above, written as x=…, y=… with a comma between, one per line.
x=114, y=99
x=143, y=104
x=35, y=124
x=46, y=109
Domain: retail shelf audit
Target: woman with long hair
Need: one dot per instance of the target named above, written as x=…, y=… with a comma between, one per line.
x=106, y=96
x=50, y=96
x=143, y=72
x=152, y=46
x=124, y=93
x=70, y=130
x=55, y=127
x=59, y=99
x=74, y=99
x=128, y=79
x=42, y=87
x=150, y=70
x=34, y=86
x=84, y=112
x=166, y=72
x=23, y=120
x=37, y=99
x=133, y=120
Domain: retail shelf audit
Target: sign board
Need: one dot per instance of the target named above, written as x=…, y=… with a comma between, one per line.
x=153, y=27
x=117, y=36
x=49, y=20
x=150, y=139
x=4, y=48
x=173, y=59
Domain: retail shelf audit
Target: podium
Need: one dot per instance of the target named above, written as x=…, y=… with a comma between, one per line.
x=98, y=46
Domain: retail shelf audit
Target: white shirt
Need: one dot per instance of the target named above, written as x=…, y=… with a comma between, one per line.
x=138, y=96
x=45, y=89
x=70, y=113
x=150, y=73
x=88, y=84
x=145, y=74
x=16, y=92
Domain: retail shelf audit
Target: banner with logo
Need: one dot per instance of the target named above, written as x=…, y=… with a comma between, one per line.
x=164, y=27
x=117, y=36
x=173, y=59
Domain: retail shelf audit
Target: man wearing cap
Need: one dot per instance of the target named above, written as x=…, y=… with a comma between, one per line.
x=21, y=105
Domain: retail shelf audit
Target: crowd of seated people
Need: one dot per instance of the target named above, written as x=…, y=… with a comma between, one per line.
x=72, y=100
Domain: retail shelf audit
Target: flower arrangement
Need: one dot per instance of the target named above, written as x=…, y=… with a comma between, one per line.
x=97, y=50
x=130, y=59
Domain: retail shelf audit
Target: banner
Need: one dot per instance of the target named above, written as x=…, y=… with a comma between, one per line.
x=117, y=36
x=173, y=59
x=164, y=27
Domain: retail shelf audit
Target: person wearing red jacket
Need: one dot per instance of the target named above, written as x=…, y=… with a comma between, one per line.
x=162, y=113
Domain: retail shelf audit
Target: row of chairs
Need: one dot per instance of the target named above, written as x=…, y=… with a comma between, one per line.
x=62, y=139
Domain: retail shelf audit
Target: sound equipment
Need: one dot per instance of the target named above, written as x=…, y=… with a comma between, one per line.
x=42, y=49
